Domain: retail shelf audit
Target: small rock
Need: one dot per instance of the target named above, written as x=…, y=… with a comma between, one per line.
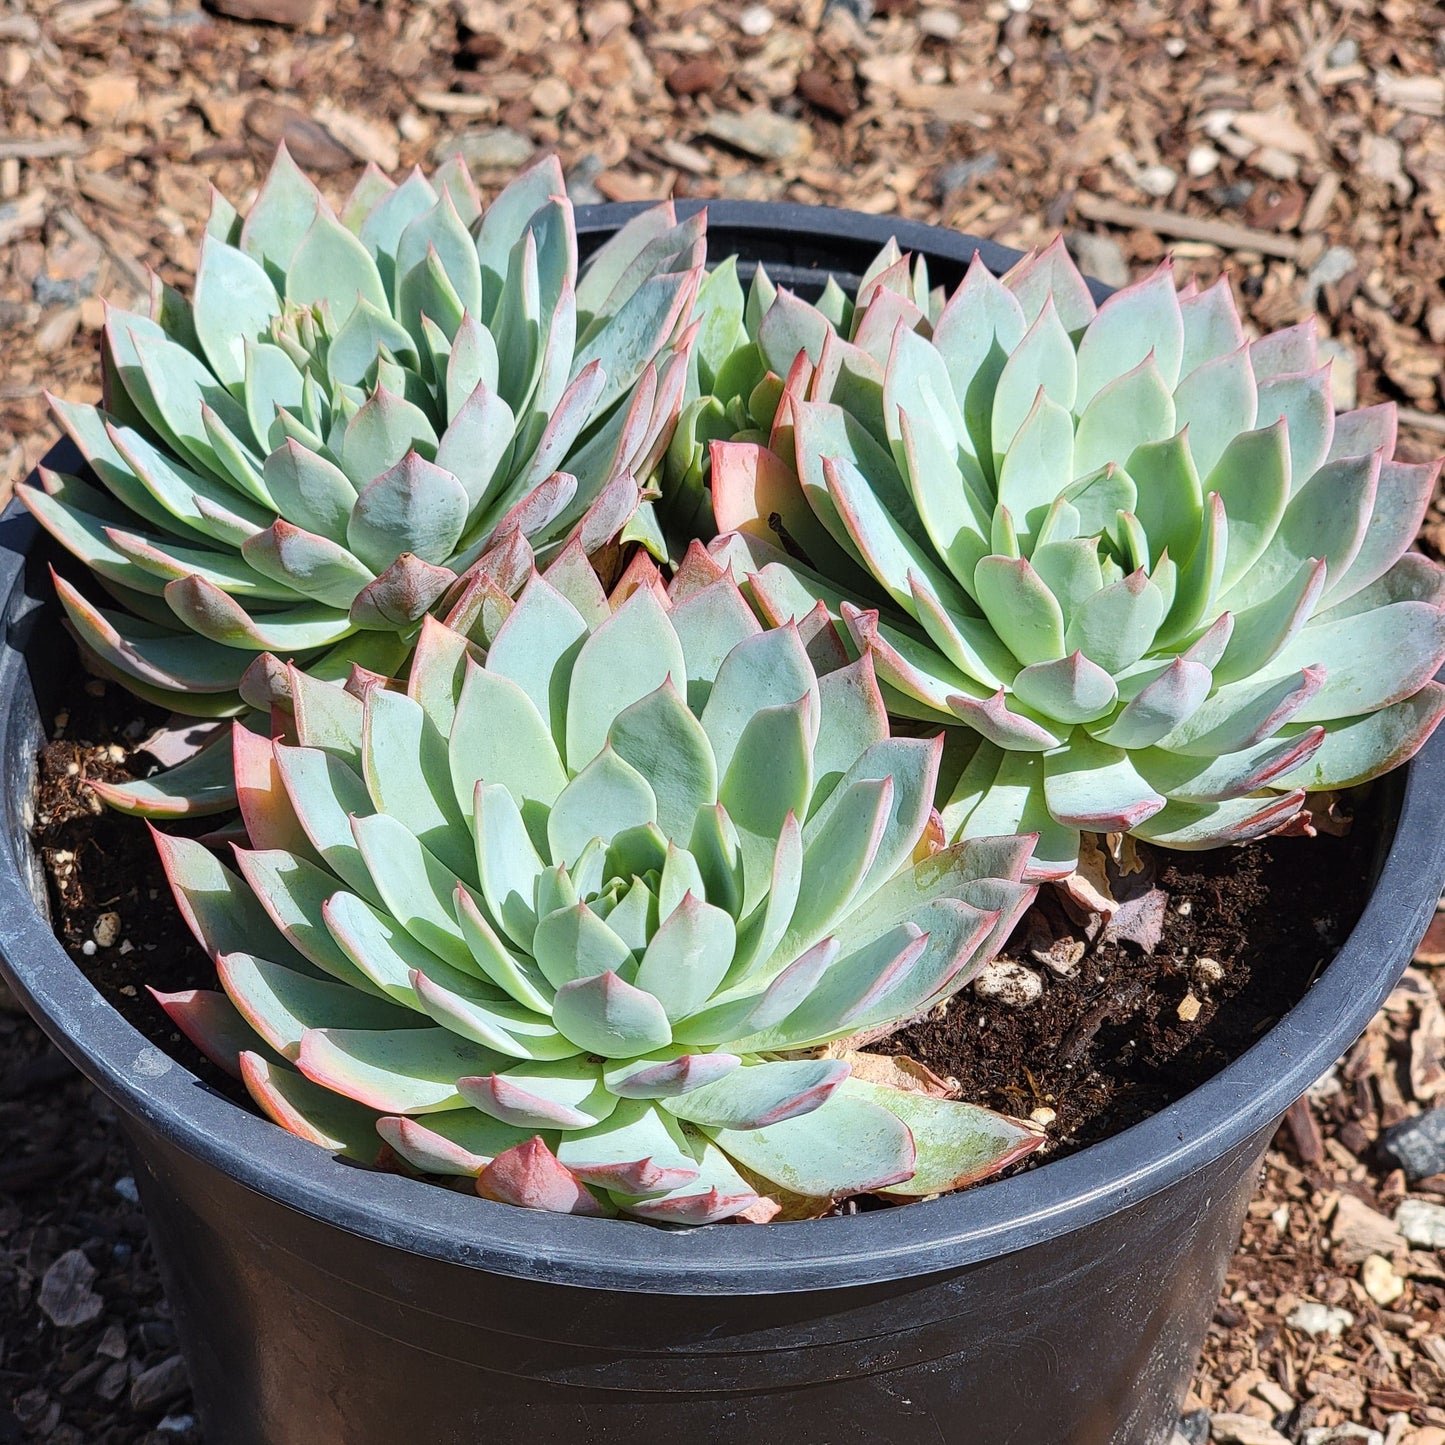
x=112, y=1343
x=1009, y=983
x=940, y=24
x=956, y=175
x=159, y=1386
x=762, y=133
x=696, y=76
x=497, y=147
x=1341, y=1435
x=125, y=1187
x=177, y=1425
x=579, y=180
x=1422, y=1223
x=1207, y=973
x=106, y=931
x=1158, y=181
x=1417, y=1145
x=1201, y=161
x=1381, y=1282
x=1358, y=1231
x=313, y=147
x=295, y=14
x=1194, y=1427
x=1342, y=53
x=1318, y=1319
x=1101, y=257
x=859, y=10
x=1244, y=1430
x=1334, y=264
x=1232, y=196
x=551, y=95
x=66, y=1298
x=756, y=20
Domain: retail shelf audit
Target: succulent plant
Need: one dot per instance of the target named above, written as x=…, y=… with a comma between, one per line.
x=304, y=458
x=1137, y=556
x=571, y=914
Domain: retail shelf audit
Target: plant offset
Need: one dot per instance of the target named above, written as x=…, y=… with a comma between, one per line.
x=302, y=459
x=1135, y=559
x=585, y=882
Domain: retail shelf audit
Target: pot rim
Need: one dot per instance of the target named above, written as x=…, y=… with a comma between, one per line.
x=921, y=1238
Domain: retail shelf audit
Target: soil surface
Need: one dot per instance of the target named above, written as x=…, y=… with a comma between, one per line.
x=1125, y=1032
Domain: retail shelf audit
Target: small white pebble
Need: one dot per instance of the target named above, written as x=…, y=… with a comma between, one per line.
x=1206, y=972
x=1184, y=908
x=1280, y=1219
x=88, y=948
x=106, y=931
x=1043, y=1117
x=1318, y=1319
x=1201, y=161
x=1158, y=181
x=755, y=20
x=1009, y=983
x=1175, y=46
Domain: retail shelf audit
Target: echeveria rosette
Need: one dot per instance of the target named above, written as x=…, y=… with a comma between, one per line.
x=1165, y=587
x=303, y=458
x=569, y=914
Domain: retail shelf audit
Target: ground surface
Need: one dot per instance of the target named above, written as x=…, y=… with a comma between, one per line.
x=1297, y=146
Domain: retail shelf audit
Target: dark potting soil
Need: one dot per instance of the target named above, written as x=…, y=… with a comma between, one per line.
x=1122, y=1035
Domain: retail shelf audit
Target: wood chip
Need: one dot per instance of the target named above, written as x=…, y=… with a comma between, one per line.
x=1192, y=228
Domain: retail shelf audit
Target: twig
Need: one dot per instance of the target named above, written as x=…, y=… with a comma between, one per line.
x=41, y=148
x=1186, y=228
x=132, y=269
x=1423, y=420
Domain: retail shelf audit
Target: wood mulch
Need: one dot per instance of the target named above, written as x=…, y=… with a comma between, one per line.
x=1294, y=144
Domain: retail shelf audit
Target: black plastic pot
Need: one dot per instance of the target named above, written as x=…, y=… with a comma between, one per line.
x=319, y=1302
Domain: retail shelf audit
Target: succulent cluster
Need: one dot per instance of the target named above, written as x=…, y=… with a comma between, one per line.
x=1135, y=559
x=593, y=899
x=304, y=458
x=572, y=914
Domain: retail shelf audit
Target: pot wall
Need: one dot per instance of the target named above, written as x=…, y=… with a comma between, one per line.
x=299, y=1332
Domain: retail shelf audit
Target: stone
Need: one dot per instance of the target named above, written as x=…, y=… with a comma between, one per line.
x=497, y=147
x=1244, y=1430
x=1009, y=983
x=1317, y=1319
x=940, y=24
x=957, y=175
x=1201, y=161
x=1158, y=181
x=755, y=21
x=1381, y=1282
x=66, y=1298
x=1358, y=1231
x=1342, y=1435
x=551, y=95
x=580, y=180
x=1194, y=1427
x=859, y=10
x=1342, y=53
x=1417, y=1145
x=762, y=133
x=159, y=1386
x=1101, y=257
x=1422, y=1223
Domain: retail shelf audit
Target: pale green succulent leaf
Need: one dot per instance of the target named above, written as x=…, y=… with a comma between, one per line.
x=606, y=1015
x=606, y=797
x=475, y=1012
x=1302, y=399
x=311, y=565
x=1132, y=410
x=279, y=218
x=1117, y=625
x=846, y=1146
x=234, y=302
x=507, y=862
x=1138, y=321
x=1024, y=613
x=628, y=656
x=309, y=1111
x=414, y=506
x=759, y=1095
x=1043, y=361
x=281, y=1004
x=398, y=1071
x=688, y=956
x=667, y=745
x=1212, y=327
x=380, y=435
